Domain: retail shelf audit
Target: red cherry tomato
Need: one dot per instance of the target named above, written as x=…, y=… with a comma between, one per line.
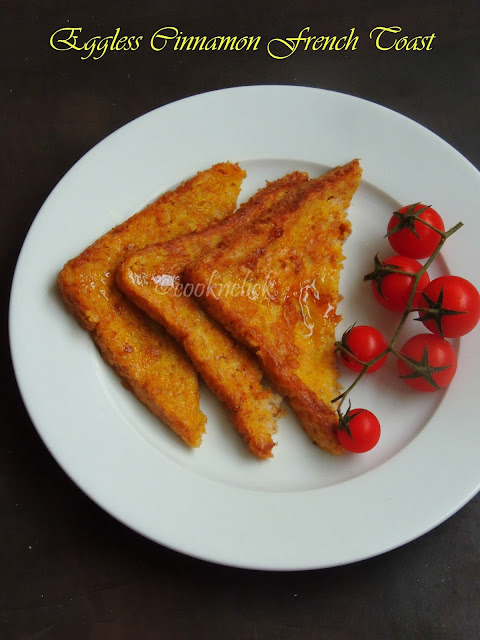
x=435, y=358
x=408, y=236
x=358, y=431
x=392, y=290
x=365, y=343
x=453, y=306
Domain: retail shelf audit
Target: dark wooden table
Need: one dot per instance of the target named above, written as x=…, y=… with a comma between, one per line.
x=67, y=569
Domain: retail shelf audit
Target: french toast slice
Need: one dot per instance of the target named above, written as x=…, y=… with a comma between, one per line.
x=295, y=253
x=151, y=279
x=148, y=360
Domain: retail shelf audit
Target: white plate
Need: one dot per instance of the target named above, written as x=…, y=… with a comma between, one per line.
x=304, y=509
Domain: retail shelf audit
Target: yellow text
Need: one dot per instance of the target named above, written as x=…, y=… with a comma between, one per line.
x=385, y=40
x=280, y=48
x=67, y=38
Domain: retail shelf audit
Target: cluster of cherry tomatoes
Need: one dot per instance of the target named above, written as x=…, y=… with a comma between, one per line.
x=448, y=306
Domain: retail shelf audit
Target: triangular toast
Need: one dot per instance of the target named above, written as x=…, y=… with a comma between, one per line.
x=151, y=278
x=151, y=364
x=294, y=253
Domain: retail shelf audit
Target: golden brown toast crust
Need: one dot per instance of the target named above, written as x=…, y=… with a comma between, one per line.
x=296, y=250
x=142, y=353
x=151, y=279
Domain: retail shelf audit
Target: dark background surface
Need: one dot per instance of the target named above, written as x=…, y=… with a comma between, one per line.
x=68, y=570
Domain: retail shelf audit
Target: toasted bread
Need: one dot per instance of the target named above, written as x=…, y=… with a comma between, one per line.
x=149, y=361
x=295, y=253
x=151, y=278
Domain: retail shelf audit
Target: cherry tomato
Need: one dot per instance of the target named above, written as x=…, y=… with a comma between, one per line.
x=435, y=358
x=358, y=431
x=392, y=290
x=453, y=306
x=365, y=343
x=408, y=236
